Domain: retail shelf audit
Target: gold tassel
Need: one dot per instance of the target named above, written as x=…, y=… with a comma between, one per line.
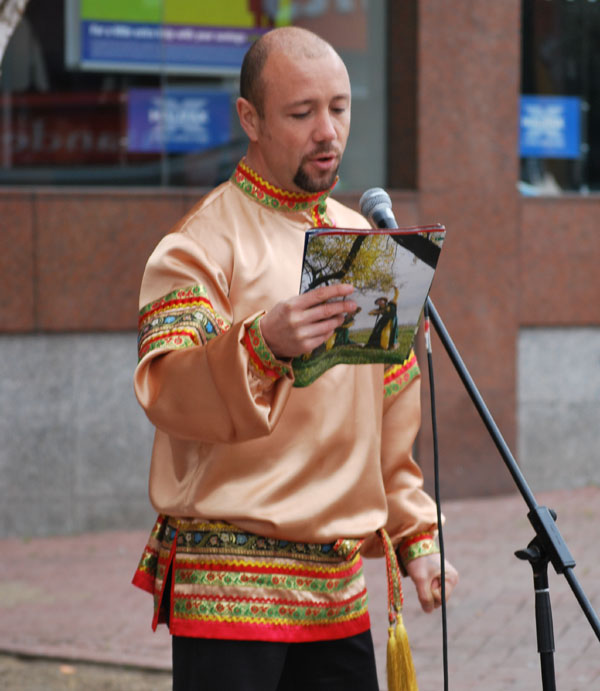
x=393, y=673
x=400, y=667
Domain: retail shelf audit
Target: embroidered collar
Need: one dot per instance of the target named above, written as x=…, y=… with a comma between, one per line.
x=262, y=191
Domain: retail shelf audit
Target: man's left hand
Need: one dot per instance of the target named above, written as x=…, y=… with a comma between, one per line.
x=426, y=575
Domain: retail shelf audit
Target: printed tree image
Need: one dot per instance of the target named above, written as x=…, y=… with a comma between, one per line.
x=366, y=261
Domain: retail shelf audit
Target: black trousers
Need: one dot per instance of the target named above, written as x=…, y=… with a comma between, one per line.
x=203, y=664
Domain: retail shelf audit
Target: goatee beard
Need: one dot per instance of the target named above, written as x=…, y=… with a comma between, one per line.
x=311, y=184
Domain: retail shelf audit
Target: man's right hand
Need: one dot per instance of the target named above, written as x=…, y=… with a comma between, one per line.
x=300, y=324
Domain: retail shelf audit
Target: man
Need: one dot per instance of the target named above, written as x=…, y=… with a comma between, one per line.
x=267, y=492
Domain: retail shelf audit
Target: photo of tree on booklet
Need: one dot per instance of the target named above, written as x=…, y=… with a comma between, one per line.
x=391, y=271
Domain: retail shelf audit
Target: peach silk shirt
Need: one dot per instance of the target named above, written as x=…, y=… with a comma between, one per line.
x=306, y=464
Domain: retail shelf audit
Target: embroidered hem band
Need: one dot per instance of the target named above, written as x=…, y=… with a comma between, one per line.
x=230, y=584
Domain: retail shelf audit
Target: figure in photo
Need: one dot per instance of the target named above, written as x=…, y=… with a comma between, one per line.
x=385, y=330
x=342, y=333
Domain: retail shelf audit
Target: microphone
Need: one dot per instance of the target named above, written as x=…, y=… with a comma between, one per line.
x=376, y=207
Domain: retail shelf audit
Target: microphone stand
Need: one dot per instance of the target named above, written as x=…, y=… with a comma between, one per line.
x=548, y=544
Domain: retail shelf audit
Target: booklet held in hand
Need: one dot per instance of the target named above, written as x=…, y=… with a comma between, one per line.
x=391, y=271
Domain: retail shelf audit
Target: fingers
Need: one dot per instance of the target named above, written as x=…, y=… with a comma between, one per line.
x=436, y=585
x=430, y=594
x=429, y=588
x=298, y=325
x=426, y=599
x=322, y=328
x=322, y=311
x=323, y=294
x=328, y=311
x=315, y=321
x=317, y=307
x=436, y=591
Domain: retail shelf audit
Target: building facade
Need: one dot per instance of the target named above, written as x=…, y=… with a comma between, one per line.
x=87, y=193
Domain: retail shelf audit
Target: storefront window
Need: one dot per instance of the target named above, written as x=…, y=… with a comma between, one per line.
x=106, y=92
x=560, y=103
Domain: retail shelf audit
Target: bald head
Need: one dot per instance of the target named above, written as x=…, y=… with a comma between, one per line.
x=296, y=43
x=295, y=109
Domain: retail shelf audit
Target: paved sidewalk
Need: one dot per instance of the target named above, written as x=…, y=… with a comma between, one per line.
x=69, y=598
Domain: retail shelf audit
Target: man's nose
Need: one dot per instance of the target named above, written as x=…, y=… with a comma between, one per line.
x=325, y=130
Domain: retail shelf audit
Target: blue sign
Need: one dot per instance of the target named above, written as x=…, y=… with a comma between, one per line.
x=177, y=120
x=152, y=47
x=550, y=127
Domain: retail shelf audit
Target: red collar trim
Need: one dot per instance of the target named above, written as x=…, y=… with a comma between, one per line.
x=264, y=192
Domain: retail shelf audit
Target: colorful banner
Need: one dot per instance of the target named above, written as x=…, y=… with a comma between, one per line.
x=208, y=37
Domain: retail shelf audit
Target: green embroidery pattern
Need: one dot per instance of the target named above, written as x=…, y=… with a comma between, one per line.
x=181, y=319
x=263, y=360
x=398, y=377
x=267, y=613
x=250, y=579
x=254, y=186
x=419, y=547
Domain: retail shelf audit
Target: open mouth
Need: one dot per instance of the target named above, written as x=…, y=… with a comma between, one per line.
x=324, y=161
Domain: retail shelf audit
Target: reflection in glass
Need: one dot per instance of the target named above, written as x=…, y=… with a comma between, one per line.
x=560, y=59
x=106, y=92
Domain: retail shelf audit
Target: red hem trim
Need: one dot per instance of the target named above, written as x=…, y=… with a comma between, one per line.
x=144, y=581
x=258, y=632
x=156, y=619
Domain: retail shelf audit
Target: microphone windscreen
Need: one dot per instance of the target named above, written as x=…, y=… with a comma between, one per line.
x=372, y=199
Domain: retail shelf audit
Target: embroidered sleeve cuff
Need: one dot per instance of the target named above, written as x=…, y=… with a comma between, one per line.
x=398, y=377
x=415, y=546
x=262, y=360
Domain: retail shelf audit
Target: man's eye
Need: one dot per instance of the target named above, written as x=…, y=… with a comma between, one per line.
x=299, y=116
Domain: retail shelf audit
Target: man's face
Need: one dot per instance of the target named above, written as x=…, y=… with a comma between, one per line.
x=302, y=133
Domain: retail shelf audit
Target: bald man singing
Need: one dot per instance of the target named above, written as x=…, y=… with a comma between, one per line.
x=268, y=494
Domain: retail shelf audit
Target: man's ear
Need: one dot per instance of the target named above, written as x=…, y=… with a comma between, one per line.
x=248, y=118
